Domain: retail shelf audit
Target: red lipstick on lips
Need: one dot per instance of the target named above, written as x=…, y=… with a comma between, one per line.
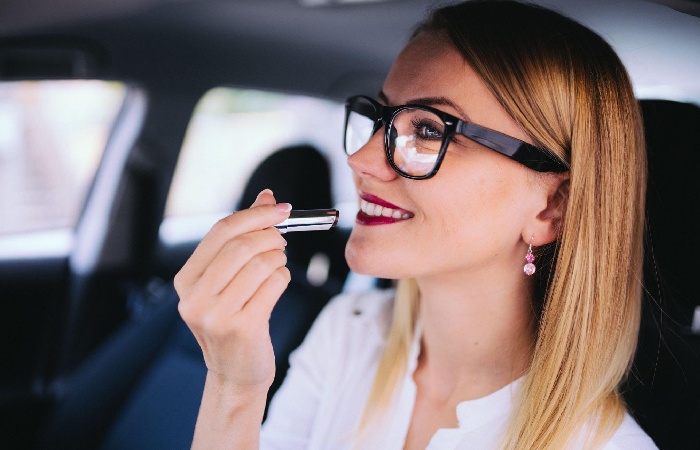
x=365, y=219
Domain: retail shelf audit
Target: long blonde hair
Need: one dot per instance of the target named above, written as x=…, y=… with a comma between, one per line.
x=566, y=87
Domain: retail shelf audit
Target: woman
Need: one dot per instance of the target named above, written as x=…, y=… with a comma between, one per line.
x=520, y=151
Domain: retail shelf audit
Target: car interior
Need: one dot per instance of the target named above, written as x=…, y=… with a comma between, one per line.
x=190, y=108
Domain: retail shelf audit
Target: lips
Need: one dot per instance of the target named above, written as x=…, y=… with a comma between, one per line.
x=377, y=211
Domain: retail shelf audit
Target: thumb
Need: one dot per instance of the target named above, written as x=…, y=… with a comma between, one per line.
x=265, y=197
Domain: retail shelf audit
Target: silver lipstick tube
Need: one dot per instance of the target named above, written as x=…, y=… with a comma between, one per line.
x=309, y=220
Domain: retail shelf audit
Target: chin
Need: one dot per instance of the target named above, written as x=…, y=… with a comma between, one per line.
x=358, y=261
x=367, y=261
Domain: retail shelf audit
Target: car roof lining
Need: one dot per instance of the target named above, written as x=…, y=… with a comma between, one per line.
x=314, y=50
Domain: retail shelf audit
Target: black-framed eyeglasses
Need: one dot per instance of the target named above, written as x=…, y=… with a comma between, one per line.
x=416, y=137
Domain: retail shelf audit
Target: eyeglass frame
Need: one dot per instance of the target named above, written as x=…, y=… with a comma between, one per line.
x=520, y=151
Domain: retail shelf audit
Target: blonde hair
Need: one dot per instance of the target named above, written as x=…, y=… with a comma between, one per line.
x=566, y=87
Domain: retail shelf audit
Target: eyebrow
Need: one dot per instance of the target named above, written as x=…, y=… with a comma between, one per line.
x=429, y=101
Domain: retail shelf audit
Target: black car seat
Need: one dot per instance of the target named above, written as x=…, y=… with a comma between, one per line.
x=663, y=391
x=143, y=388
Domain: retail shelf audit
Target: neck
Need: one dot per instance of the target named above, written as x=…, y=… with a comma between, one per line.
x=478, y=334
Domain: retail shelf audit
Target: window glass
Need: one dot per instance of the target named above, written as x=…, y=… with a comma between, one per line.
x=52, y=135
x=231, y=132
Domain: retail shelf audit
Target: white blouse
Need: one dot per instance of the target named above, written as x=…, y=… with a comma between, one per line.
x=322, y=398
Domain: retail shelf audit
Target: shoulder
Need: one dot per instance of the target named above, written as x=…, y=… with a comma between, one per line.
x=630, y=436
x=370, y=306
x=324, y=392
x=370, y=311
x=352, y=321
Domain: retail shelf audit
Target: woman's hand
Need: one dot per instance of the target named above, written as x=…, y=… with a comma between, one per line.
x=227, y=290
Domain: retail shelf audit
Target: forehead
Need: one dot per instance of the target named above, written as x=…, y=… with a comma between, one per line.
x=430, y=66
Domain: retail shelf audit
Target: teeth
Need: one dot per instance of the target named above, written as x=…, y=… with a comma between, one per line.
x=372, y=209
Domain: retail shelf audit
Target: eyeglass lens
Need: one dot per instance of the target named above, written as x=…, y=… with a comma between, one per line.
x=415, y=136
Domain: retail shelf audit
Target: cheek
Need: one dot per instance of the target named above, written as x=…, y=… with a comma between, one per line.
x=463, y=218
x=481, y=211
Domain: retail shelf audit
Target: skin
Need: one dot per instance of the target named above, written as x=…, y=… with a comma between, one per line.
x=464, y=244
x=227, y=291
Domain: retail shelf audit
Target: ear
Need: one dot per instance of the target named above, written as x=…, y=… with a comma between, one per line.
x=545, y=227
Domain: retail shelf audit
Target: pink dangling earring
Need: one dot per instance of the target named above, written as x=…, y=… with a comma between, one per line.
x=529, y=268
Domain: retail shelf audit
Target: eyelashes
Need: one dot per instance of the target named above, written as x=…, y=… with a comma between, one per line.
x=426, y=129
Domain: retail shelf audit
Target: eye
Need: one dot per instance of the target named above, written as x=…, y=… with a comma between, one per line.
x=427, y=130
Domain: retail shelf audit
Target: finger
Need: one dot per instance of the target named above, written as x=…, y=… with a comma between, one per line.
x=233, y=256
x=260, y=305
x=265, y=197
x=244, y=221
x=247, y=220
x=246, y=282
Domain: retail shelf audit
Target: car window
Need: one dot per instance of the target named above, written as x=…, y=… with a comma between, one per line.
x=231, y=132
x=52, y=135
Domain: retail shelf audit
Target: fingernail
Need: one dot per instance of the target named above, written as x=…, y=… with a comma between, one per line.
x=283, y=207
x=262, y=192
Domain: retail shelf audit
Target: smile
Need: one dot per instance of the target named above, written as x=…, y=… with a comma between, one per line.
x=374, y=210
x=377, y=211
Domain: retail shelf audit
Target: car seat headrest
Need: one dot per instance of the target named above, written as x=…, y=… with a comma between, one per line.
x=299, y=175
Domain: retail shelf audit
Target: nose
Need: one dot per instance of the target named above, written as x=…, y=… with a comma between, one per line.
x=371, y=160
